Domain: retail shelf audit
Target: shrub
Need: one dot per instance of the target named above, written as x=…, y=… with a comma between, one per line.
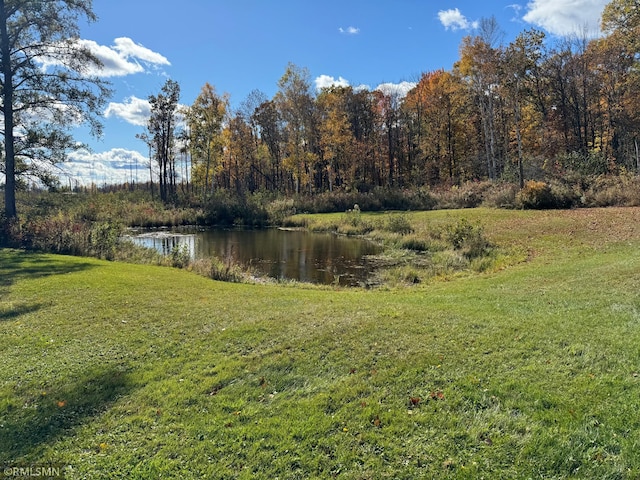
x=467, y=195
x=398, y=223
x=10, y=235
x=535, y=195
x=280, y=209
x=180, y=256
x=501, y=195
x=564, y=195
x=467, y=238
x=415, y=243
x=606, y=190
x=56, y=234
x=104, y=239
x=353, y=217
x=216, y=269
x=371, y=201
x=352, y=223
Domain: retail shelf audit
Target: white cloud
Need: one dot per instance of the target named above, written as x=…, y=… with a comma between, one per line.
x=137, y=111
x=399, y=90
x=362, y=88
x=453, y=19
x=326, y=81
x=129, y=49
x=349, y=30
x=124, y=58
x=566, y=17
x=117, y=165
x=114, y=64
x=133, y=110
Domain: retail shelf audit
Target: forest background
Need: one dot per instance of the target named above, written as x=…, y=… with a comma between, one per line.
x=511, y=113
x=530, y=124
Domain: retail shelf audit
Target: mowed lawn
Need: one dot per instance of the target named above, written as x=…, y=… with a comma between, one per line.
x=527, y=371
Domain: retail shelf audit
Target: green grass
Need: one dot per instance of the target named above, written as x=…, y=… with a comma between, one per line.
x=531, y=371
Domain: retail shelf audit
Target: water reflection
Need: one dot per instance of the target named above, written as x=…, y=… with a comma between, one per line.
x=297, y=255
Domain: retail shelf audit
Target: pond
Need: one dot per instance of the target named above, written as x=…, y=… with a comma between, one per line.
x=281, y=254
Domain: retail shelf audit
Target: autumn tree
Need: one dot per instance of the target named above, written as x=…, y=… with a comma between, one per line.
x=622, y=18
x=297, y=109
x=519, y=66
x=619, y=54
x=239, y=162
x=336, y=136
x=249, y=135
x=205, y=123
x=439, y=105
x=267, y=119
x=48, y=82
x=479, y=65
x=361, y=111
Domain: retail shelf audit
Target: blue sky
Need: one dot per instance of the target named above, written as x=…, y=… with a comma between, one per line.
x=244, y=45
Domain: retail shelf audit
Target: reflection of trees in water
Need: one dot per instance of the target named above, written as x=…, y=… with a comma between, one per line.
x=165, y=242
x=302, y=256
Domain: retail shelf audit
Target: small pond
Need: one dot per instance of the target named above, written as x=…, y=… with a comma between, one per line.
x=281, y=254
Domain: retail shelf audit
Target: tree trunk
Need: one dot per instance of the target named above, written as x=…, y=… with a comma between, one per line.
x=7, y=102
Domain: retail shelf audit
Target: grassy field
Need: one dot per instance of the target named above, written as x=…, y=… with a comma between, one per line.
x=528, y=371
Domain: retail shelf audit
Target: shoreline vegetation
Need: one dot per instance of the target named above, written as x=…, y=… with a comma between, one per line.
x=93, y=223
x=118, y=370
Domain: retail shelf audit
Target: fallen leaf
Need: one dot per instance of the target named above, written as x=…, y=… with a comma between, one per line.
x=437, y=395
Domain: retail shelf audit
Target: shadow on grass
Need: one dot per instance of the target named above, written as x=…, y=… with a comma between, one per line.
x=35, y=418
x=17, y=265
x=15, y=311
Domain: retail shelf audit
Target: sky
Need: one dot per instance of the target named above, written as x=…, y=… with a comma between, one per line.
x=239, y=46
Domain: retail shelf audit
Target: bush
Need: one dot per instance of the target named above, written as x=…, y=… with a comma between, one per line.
x=180, y=256
x=501, y=195
x=352, y=223
x=280, y=209
x=606, y=191
x=398, y=223
x=225, y=209
x=56, y=234
x=467, y=195
x=417, y=244
x=216, y=269
x=467, y=238
x=104, y=239
x=9, y=232
x=372, y=201
x=564, y=195
x=535, y=195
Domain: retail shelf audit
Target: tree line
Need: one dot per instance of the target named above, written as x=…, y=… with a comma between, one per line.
x=504, y=111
